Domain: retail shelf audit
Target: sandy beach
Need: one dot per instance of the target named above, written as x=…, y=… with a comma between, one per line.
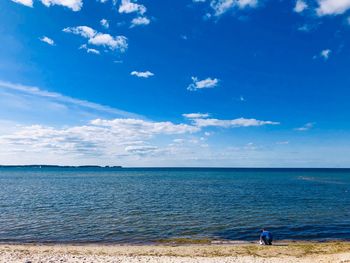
x=283, y=252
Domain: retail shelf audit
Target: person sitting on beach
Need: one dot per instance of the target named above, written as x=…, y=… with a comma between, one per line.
x=266, y=237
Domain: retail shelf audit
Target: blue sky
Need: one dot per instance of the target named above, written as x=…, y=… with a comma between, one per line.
x=175, y=83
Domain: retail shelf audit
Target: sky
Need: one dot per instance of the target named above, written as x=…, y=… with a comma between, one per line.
x=204, y=83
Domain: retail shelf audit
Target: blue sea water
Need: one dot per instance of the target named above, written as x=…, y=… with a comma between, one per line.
x=146, y=205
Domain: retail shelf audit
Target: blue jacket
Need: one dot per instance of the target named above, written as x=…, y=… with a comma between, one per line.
x=266, y=234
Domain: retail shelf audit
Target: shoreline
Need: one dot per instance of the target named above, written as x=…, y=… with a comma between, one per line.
x=171, y=242
x=335, y=251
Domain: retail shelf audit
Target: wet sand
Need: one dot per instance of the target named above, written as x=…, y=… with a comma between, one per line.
x=283, y=252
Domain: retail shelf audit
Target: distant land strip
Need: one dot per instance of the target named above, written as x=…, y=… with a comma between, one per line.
x=56, y=166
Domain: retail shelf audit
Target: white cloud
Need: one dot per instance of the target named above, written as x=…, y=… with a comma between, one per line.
x=246, y=3
x=127, y=7
x=66, y=134
x=99, y=139
x=75, y=5
x=92, y=50
x=47, y=40
x=142, y=74
x=89, y=50
x=104, y=23
x=139, y=21
x=332, y=7
x=99, y=39
x=106, y=138
x=195, y=115
x=28, y=3
x=325, y=53
x=240, y=122
x=140, y=126
x=306, y=127
x=202, y=84
x=113, y=43
x=83, y=31
x=222, y=6
x=300, y=6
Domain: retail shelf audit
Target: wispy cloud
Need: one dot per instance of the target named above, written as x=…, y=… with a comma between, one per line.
x=202, y=120
x=142, y=74
x=202, y=84
x=104, y=23
x=140, y=21
x=140, y=126
x=89, y=50
x=64, y=100
x=179, y=140
x=47, y=40
x=196, y=115
x=325, y=53
x=240, y=122
x=128, y=6
x=83, y=31
x=75, y=5
x=222, y=6
x=141, y=149
x=28, y=3
x=307, y=27
x=99, y=39
x=300, y=6
x=306, y=127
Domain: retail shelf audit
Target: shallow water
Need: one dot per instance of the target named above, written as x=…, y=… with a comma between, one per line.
x=146, y=205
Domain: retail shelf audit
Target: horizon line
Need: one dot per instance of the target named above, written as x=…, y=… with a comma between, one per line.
x=157, y=167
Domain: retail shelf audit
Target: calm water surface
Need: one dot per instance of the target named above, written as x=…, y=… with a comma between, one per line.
x=145, y=205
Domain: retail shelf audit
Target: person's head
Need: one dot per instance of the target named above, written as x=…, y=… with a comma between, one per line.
x=262, y=230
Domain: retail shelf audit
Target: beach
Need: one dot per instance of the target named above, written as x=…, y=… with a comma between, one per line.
x=305, y=252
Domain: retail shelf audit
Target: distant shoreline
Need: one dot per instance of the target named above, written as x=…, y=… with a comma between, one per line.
x=57, y=166
x=44, y=166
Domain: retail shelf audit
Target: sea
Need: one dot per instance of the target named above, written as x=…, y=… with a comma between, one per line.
x=150, y=205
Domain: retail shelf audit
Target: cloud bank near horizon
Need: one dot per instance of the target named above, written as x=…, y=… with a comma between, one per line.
x=128, y=136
